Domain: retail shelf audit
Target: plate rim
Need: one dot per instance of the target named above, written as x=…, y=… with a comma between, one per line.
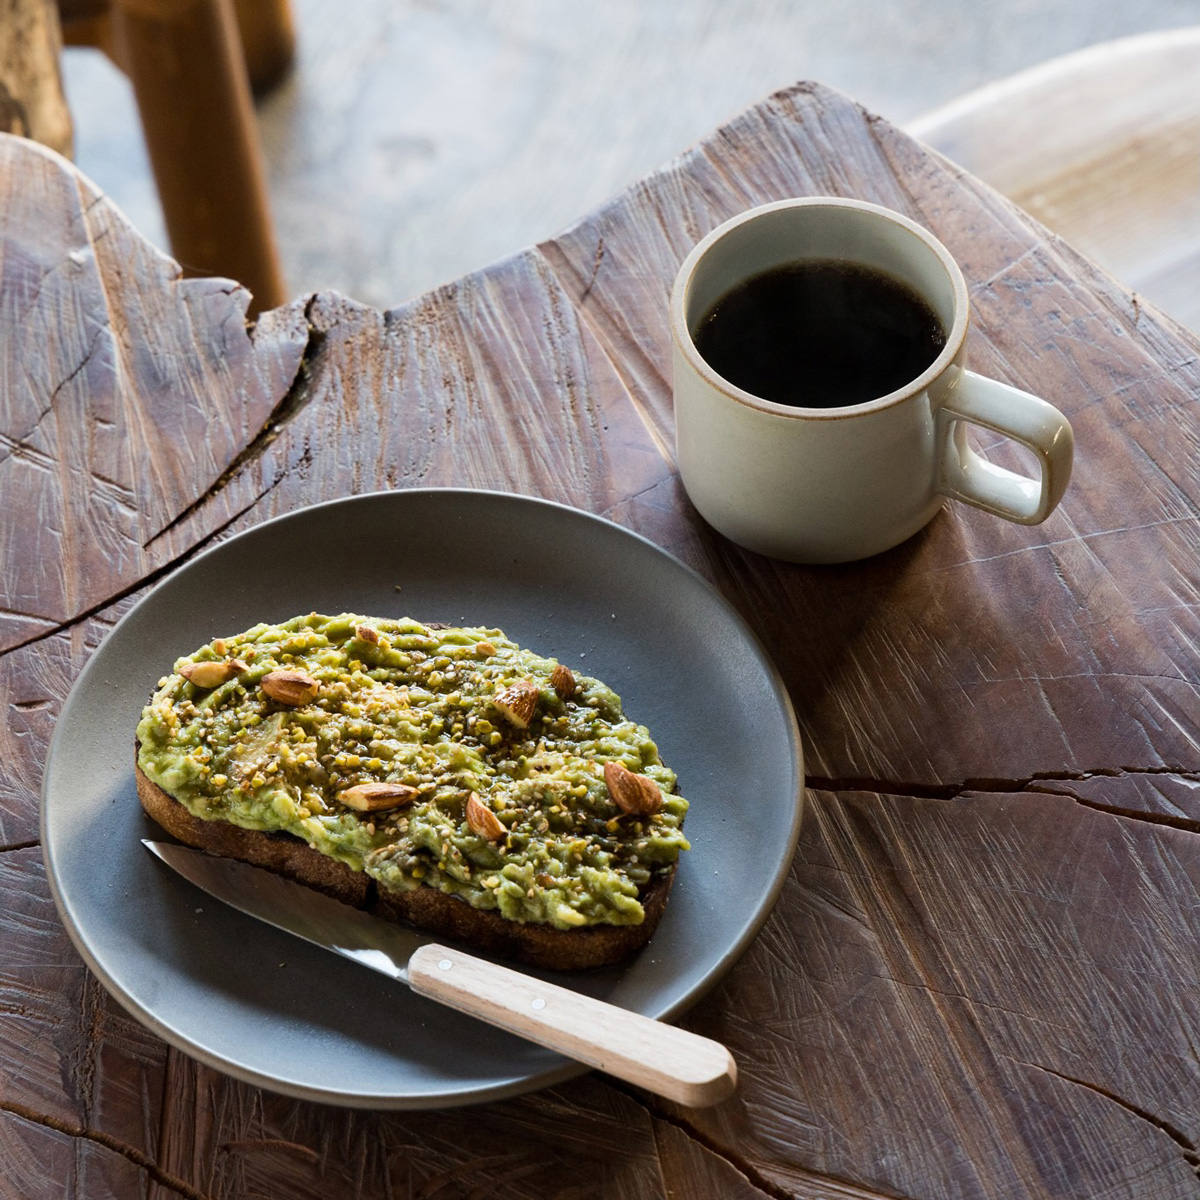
x=452, y=1096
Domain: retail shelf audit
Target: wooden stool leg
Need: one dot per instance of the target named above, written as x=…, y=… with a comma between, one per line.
x=268, y=40
x=31, y=97
x=185, y=62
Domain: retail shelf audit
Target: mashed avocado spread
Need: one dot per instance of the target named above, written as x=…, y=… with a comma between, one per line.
x=425, y=756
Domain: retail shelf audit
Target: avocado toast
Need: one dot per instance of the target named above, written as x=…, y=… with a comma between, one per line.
x=440, y=776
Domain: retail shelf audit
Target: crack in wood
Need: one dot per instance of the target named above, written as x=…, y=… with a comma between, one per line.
x=1187, y=824
x=132, y=1153
x=145, y=581
x=293, y=401
x=1191, y=1154
x=743, y=1167
x=244, y=1144
x=948, y=791
x=20, y=442
x=652, y=487
x=597, y=259
x=952, y=791
x=26, y=845
x=852, y=1190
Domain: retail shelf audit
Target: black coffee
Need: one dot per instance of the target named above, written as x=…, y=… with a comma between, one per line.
x=820, y=334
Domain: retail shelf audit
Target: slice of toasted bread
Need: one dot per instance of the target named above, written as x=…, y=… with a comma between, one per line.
x=425, y=908
x=305, y=722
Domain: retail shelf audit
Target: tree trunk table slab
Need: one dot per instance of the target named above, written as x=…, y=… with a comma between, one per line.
x=979, y=980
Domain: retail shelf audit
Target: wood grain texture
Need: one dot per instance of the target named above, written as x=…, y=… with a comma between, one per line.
x=582, y=1141
x=979, y=979
x=40, y=1159
x=127, y=391
x=1028, y=954
x=34, y=680
x=79, y=1074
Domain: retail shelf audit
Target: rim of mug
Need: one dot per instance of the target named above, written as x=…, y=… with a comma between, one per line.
x=955, y=337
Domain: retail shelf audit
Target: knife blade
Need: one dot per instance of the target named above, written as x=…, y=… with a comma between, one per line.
x=672, y=1062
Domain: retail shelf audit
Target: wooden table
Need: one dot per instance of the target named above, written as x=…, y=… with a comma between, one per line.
x=981, y=978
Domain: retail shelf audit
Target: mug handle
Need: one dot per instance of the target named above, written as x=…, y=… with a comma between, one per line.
x=964, y=475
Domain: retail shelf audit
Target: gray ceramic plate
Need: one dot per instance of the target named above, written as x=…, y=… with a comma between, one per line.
x=275, y=1011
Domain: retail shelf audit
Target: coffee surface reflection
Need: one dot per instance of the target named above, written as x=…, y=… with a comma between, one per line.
x=820, y=333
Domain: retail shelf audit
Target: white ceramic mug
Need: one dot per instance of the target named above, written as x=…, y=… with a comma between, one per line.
x=835, y=484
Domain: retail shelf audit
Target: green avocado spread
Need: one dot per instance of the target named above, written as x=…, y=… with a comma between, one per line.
x=496, y=759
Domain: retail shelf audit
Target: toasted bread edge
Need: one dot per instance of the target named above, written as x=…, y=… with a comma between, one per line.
x=424, y=908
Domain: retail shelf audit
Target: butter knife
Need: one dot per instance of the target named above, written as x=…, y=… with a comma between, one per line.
x=682, y=1066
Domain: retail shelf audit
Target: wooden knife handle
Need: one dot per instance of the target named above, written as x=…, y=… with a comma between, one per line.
x=671, y=1062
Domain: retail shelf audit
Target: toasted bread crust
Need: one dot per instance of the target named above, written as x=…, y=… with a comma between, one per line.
x=425, y=908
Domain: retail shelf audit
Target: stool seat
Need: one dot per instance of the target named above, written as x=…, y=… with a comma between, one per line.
x=1103, y=147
